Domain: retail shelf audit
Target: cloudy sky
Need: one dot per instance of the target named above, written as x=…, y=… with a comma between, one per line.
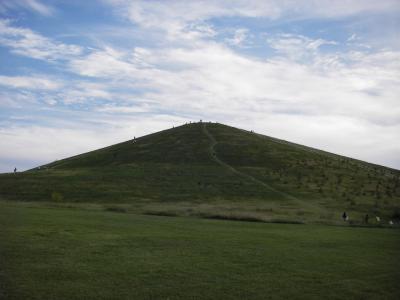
x=78, y=75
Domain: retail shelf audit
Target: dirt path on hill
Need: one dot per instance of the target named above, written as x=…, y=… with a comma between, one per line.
x=214, y=156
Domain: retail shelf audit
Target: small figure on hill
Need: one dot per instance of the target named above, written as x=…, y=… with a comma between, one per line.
x=390, y=222
x=366, y=218
x=345, y=216
x=15, y=170
x=378, y=219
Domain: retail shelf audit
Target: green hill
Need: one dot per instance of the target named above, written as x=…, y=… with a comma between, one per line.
x=214, y=170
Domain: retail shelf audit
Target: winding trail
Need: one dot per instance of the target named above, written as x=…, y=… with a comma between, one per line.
x=235, y=171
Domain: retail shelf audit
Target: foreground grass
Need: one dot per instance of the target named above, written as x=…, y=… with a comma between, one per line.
x=60, y=253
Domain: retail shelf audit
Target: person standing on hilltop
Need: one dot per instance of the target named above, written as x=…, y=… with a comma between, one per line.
x=15, y=170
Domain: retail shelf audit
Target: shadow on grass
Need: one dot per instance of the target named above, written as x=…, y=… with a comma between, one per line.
x=162, y=213
x=117, y=209
x=246, y=218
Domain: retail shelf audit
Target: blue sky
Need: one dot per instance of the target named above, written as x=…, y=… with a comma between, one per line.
x=79, y=75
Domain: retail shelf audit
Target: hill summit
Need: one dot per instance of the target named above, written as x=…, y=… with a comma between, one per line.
x=210, y=164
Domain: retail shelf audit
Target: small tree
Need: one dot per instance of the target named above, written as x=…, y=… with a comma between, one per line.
x=57, y=197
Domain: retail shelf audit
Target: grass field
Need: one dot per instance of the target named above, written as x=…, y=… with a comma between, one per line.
x=76, y=253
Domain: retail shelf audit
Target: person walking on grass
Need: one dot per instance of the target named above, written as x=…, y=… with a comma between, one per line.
x=366, y=218
x=345, y=216
x=15, y=170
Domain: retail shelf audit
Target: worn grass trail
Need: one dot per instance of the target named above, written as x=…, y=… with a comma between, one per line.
x=76, y=254
x=214, y=156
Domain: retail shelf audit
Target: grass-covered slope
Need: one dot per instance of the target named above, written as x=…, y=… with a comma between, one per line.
x=229, y=168
x=306, y=172
x=181, y=145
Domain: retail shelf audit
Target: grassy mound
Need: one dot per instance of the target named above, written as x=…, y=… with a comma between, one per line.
x=207, y=163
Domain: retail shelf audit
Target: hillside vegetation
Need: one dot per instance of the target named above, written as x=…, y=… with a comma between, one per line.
x=214, y=170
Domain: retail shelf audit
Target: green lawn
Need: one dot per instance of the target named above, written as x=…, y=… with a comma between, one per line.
x=65, y=253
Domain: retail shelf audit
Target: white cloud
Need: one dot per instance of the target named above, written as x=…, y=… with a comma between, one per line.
x=213, y=77
x=175, y=13
x=217, y=80
x=24, y=41
x=16, y=100
x=297, y=46
x=34, y=5
x=39, y=7
x=353, y=37
x=104, y=63
x=52, y=91
x=239, y=37
x=83, y=92
x=111, y=108
x=30, y=82
x=172, y=21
